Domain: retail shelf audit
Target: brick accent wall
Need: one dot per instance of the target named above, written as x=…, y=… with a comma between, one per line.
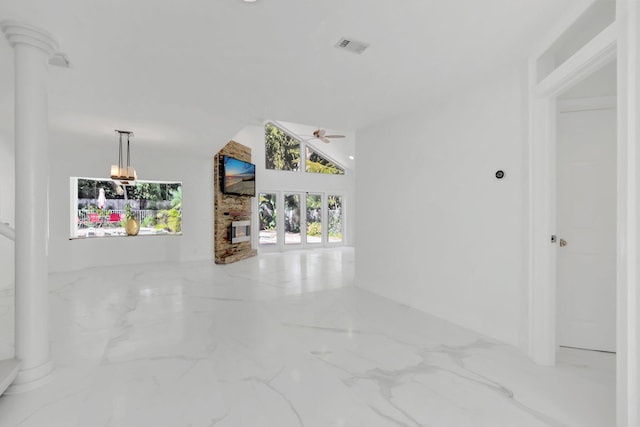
x=228, y=208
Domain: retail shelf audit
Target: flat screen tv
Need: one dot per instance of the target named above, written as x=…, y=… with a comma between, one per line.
x=238, y=177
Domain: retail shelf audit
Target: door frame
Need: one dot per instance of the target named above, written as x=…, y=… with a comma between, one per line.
x=280, y=246
x=620, y=41
x=542, y=192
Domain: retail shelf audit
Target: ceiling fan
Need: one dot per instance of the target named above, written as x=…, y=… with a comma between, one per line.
x=321, y=134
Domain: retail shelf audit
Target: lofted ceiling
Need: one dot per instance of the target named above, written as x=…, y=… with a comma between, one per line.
x=193, y=73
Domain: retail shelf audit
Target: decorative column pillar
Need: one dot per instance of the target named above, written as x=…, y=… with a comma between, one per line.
x=628, y=254
x=32, y=49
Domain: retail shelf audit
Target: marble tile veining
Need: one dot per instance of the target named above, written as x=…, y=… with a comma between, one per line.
x=283, y=340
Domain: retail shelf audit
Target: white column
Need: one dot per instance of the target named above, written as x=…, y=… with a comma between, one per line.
x=628, y=337
x=33, y=48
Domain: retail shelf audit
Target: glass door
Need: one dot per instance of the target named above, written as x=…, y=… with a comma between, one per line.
x=314, y=218
x=335, y=216
x=267, y=219
x=292, y=220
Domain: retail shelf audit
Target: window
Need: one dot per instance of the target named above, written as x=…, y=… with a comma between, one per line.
x=268, y=220
x=317, y=163
x=282, y=151
x=99, y=207
x=306, y=216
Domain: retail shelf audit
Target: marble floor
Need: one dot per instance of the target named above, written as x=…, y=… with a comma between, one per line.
x=283, y=340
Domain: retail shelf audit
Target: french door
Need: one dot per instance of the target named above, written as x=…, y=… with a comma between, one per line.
x=292, y=219
x=314, y=219
x=288, y=220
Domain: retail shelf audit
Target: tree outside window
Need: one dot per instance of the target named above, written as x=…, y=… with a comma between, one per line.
x=282, y=150
x=317, y=163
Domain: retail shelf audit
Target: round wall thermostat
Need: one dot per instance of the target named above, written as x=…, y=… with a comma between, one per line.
x=500, y=174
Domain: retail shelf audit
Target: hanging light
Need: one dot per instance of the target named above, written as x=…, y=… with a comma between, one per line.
x=122, y=172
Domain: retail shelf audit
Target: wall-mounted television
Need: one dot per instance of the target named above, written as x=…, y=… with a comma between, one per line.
x=238, y=177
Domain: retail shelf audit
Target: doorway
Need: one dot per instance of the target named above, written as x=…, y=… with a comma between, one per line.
x=586, y=201
x=548, y=79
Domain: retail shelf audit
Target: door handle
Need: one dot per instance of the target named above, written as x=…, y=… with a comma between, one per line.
x=563, y=243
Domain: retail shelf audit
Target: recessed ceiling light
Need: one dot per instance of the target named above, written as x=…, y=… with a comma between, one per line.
x=249, y=1
x=351, y=157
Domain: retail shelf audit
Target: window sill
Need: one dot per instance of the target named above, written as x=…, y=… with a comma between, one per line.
x=116, y=234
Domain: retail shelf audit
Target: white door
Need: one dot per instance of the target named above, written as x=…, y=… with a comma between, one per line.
x=586, y=203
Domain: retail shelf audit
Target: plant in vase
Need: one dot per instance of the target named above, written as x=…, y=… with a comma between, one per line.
x=131, y=225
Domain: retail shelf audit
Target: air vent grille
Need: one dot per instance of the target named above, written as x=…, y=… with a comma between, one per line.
x=352, y=45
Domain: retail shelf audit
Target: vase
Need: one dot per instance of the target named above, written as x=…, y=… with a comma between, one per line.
x=132, y=227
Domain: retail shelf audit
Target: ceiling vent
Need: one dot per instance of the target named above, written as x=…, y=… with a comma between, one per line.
x=352, y=45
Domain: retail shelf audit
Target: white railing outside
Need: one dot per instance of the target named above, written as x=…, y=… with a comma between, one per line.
x=89, y=218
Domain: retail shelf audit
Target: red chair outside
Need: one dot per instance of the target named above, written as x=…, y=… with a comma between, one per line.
x=115, y=217
x=95, y=218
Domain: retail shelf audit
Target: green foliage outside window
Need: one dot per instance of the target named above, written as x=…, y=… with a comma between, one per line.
x=334, y=203
x=292, y=213
x=267, y=211
x=89, y=189
x=282, y=152
x=317, y=163
x=314, y=229
x=150, y=195
x=170, y=219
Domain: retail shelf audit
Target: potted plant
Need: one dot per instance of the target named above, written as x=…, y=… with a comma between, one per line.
x=131, y=225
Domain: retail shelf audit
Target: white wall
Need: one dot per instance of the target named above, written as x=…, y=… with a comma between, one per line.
x=270, y=180
x=74, y=157
x=436, y=230
x=7, y=209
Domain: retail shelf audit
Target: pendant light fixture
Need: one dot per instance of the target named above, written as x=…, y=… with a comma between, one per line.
x=124, y=172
